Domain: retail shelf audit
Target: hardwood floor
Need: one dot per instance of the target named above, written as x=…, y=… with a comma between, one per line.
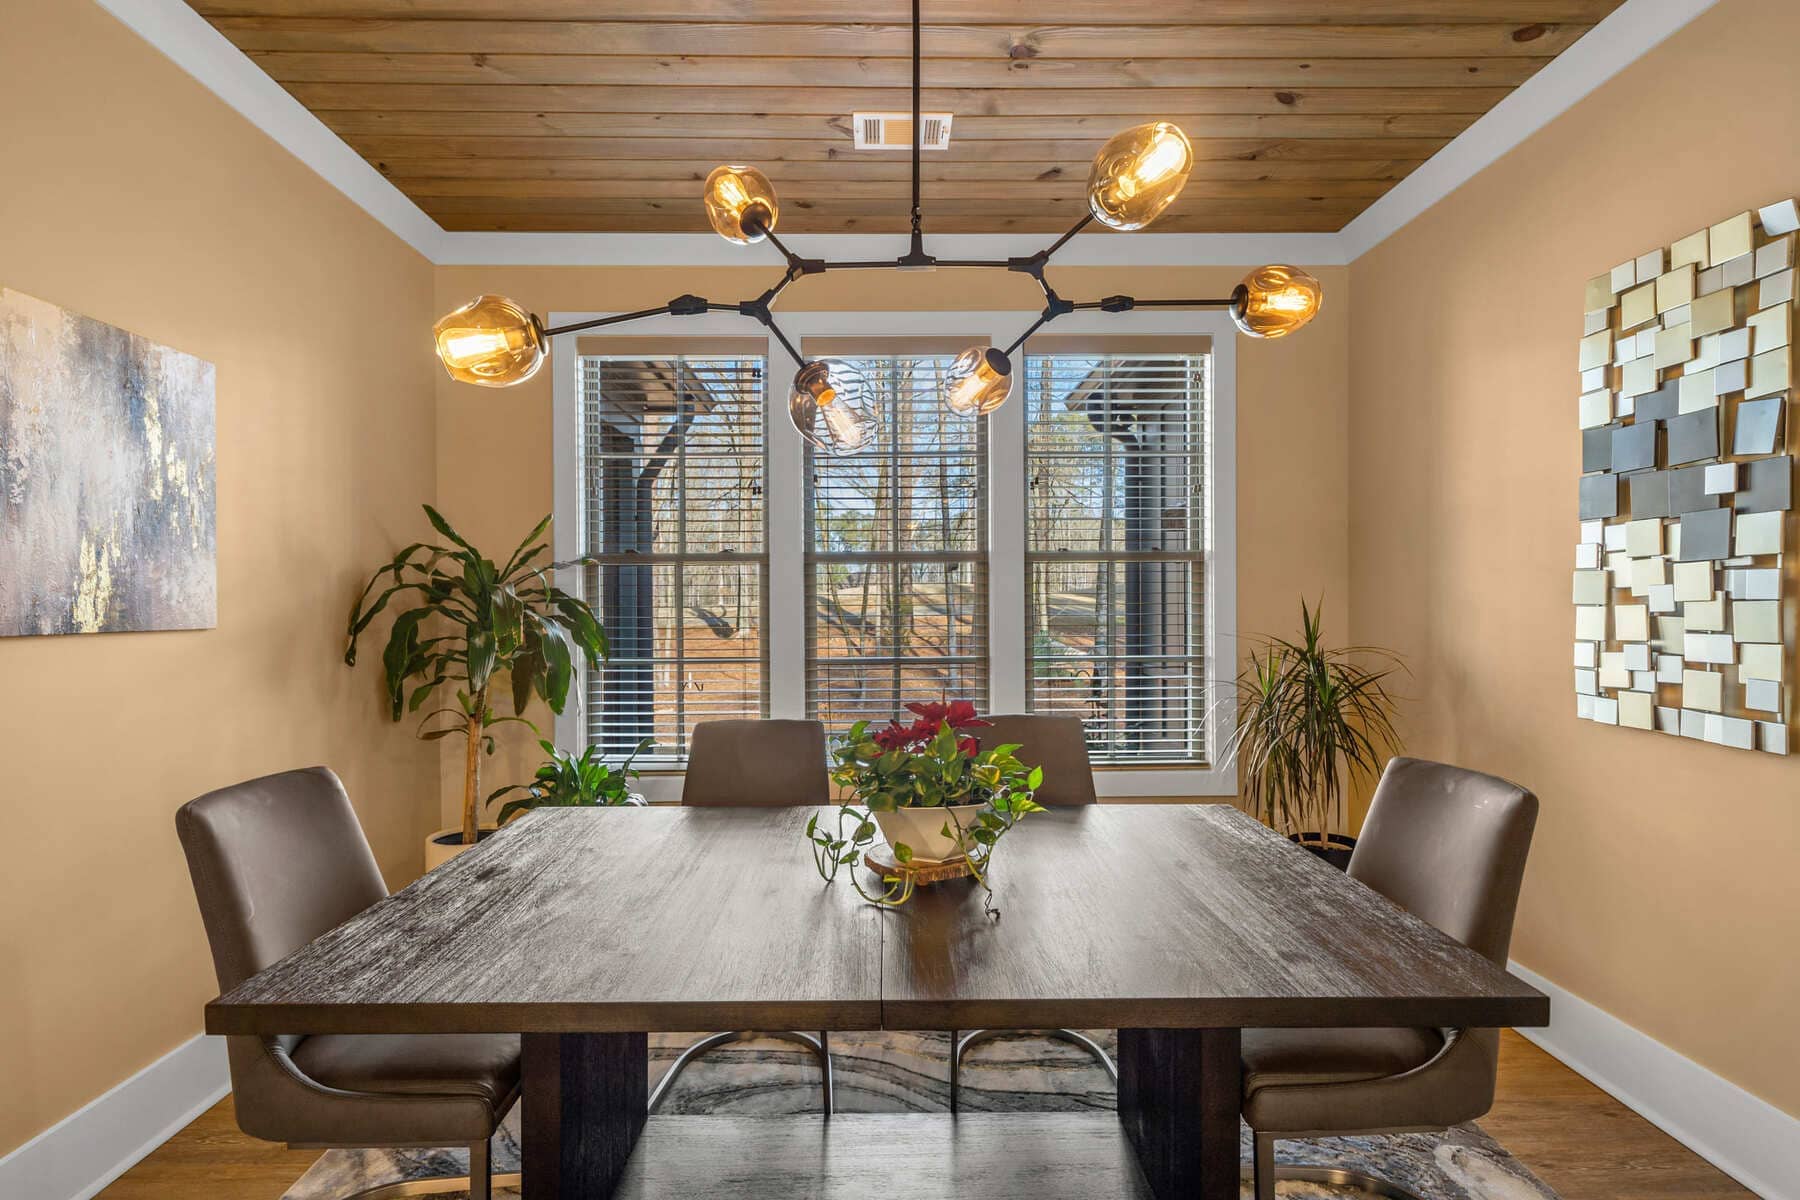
x=1585, y=1144
x=1579, y=1140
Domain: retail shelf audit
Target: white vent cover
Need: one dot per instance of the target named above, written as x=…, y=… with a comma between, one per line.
x=893, y=130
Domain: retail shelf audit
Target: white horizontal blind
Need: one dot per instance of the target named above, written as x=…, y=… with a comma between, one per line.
x=673, y=463
x=1117, y=487
x=896, y=559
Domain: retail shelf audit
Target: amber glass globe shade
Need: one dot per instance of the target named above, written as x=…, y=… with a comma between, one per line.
x=1138, y=174
x=979, y=381
x=1274, y=301
x=832, y=406
x=740, y=203
x=490, y=341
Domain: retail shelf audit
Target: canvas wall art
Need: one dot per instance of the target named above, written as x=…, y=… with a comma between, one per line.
x=106, y=478
x=1681, y=623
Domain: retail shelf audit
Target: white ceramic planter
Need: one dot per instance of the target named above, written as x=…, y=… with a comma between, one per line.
x=922, y=829
x=437, y=853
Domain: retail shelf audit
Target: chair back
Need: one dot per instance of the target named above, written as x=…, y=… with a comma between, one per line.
x=1449, y=846
x=1057, y=744
x=276, y=862
x=756, y=763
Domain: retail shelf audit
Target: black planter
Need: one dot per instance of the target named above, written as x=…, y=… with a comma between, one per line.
x=1336, y=851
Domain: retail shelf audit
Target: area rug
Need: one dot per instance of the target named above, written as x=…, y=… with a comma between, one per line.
x=891, y=1072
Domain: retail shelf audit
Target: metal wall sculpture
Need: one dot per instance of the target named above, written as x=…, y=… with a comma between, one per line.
x=1687, y=479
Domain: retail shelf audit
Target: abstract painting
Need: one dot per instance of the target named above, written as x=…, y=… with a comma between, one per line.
x=1678, y=591
x=106, y=478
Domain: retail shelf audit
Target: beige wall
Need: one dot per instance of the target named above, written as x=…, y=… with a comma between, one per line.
x=133, y=195
x=494, y=448
x=1662, y=885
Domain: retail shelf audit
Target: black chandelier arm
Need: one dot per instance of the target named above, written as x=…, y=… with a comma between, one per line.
x=615, y=319
x=1210, y=302
x=1058, y=307
x=1086, y=219
x=758, y=310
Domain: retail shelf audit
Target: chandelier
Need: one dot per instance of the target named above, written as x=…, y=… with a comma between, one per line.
x=494, y=342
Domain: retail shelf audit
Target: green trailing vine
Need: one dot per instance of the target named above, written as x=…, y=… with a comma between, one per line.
x=933, y=763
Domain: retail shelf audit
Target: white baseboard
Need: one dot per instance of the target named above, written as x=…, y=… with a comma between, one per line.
x=100, y=1141
x=1744, y=1136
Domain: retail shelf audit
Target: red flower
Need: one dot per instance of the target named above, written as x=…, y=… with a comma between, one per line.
x=969, y=746
x=959, y=714
x=895, y=737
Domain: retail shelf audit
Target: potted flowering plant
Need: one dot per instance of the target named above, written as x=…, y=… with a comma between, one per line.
x=930, y=790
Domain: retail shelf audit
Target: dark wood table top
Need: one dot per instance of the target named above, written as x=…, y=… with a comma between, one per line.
x=1192, y=916
x=593, y=920
x=710, y=918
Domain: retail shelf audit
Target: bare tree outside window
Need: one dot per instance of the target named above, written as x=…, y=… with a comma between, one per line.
x=896, y=556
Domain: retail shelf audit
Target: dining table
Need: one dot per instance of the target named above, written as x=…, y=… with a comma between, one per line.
x=585, y=929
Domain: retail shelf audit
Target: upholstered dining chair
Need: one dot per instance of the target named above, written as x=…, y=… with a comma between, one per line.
x=764, y=764
x=276, y=862
x=1449, y=846
x=1059, y=745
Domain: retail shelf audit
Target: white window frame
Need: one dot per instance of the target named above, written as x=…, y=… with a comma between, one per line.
x=785, y=528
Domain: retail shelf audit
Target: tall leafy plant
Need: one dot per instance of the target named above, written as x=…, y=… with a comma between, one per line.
x=473, y=621
x=570, y=780
x=1308, y=716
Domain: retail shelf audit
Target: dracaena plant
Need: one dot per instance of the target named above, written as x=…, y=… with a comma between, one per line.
x=932, y=763
x=471, y=623
x=569, y=780
x=1308, y=716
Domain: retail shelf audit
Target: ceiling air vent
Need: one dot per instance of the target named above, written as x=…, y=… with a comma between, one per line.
x=893, y=130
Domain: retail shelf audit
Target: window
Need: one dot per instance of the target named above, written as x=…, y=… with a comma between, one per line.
x=672, y=470
x=1116, y=548
x=1073, y=553
x=896, y=555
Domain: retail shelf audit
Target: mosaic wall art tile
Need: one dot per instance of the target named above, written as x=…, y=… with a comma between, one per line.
x=106, y=478
x=1678, y=584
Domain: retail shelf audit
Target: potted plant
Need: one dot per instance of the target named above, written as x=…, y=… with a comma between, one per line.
x=930, y=790
x=472, y=621
x=567, y=780
x=1308, y=715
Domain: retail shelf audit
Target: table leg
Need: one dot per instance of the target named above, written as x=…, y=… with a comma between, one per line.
x=585, y=1104
x=1179, y=1096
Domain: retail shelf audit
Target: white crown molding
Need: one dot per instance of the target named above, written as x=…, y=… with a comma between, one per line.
x=1743, y=1135
x=707, y=250
x=190, y=43
x=1624, y=36
x=97, y=1143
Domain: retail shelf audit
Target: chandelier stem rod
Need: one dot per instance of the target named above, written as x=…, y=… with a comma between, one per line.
x=917, y=134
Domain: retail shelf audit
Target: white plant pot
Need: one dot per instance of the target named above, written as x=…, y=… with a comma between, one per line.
x=438, y=852
x=922, y=829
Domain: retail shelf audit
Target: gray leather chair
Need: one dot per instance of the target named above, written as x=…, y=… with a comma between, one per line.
x=276, y=862
x=1059, y=745
x=767, y=764
x=1449, y=846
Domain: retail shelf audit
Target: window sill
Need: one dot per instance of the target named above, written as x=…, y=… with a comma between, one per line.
x=1111, y=783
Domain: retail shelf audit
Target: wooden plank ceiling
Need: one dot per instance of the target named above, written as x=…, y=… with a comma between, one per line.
x=606, y=114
